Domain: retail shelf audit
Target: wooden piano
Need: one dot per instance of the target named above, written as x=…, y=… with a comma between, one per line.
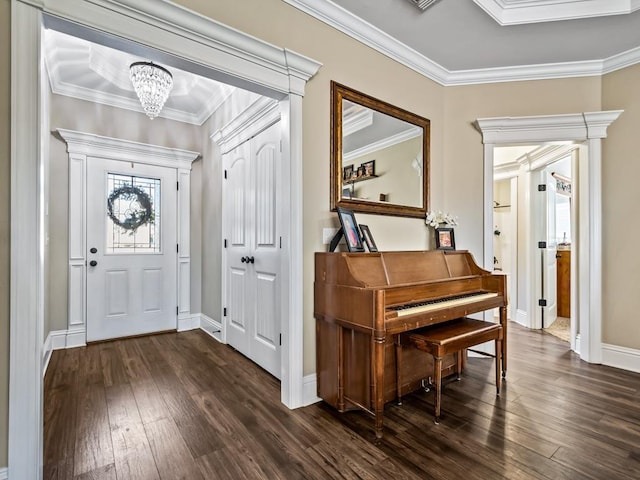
x=363, y=300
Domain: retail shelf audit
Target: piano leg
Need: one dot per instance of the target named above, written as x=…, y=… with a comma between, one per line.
x=377, y=390
x=398, y=350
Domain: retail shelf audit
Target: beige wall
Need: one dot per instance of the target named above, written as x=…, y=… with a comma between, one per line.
x=5, y=193
x=456, y=153
x=621, y=196
x=73, y=114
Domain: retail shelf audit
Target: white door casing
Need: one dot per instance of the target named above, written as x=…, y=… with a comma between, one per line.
x=252, y=274
x=131, y=273
x=84, y=148
x=587, y=127
x=188, y=36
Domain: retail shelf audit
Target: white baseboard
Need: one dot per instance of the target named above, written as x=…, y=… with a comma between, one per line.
x=59, y=339
x=75, y=337
x=189, y=322
x=3, y=474
x=310, y=390
x=47, y=348
x=211, y=326
x=621, y=357
x=522, y=318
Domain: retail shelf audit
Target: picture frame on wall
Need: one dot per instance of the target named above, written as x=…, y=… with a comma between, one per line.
x=369, y=168
x=347, y=173
x=368, y=238
x=445, y=239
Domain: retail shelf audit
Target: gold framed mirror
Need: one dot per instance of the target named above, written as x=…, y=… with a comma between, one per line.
x=379, y=156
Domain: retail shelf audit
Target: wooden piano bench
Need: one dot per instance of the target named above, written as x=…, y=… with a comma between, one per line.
x=451, y=337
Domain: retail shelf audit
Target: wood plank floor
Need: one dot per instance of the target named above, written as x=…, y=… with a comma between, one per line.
x=183, y=406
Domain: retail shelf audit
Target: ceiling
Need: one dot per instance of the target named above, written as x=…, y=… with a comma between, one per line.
x=453, y=42
x=477, y=41
x=82, y=69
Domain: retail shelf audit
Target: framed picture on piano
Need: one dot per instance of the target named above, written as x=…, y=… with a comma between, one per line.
x=368, y=238
x=350, y=230
x=445, y=239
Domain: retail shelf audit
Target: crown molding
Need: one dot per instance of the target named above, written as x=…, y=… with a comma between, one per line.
x=353, y=26
x=381, y=144
x=90, y=144
x=517, y=12
x=60, y=87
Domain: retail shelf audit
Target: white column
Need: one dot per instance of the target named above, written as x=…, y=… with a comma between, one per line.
x=26, y=319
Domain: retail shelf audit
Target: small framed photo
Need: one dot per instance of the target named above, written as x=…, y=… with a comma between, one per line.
x=369, y=168
x=368, y=238
x=445, y=239
x=347, y=173
x=350, y=230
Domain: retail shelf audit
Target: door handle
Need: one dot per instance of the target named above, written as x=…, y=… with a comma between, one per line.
x=93, y=263
x=558, y=255
x=250, y=259
x=93, y=250
x=243, y=259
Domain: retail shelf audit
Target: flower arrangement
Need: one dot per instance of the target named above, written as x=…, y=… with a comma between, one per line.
x=435, y=219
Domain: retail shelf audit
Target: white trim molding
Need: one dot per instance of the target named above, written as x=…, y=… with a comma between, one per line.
x=362, y=31
x=4, y=475
x=517, y=12
x=257, y=117
x=621, y=357
x=311, y=389
x=26, y=319
x=211, y=327
x=176, y=36
x=82, y=147
x=588, y=129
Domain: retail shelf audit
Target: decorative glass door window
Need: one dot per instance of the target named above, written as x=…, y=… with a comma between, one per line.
x=133, y=214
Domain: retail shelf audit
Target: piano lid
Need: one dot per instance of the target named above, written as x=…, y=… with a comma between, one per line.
x=384, y=269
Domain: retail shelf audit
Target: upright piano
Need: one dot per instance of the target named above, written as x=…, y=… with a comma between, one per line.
x=362, y=301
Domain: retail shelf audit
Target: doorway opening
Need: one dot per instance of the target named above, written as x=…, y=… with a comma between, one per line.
x=532, y=225
x=173, y=36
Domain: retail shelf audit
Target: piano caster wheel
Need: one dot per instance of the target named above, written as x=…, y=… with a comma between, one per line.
x=399, y=403
x=436, y=420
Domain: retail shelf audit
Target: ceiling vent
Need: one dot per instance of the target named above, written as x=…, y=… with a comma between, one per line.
x=423, y=4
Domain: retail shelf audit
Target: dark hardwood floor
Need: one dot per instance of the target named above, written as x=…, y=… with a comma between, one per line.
x=181, y=405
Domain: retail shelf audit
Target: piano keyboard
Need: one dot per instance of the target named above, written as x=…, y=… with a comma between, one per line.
x=436, y=304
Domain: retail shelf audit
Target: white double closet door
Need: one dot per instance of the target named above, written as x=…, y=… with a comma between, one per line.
x=252, y=234
x=131, y=263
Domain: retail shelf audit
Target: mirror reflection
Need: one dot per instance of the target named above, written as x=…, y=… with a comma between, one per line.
x=380, y=156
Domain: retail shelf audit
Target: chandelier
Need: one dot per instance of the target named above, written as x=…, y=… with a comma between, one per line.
x=152, y=84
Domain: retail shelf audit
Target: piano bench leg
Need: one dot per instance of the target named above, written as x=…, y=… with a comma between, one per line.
x=498, y=344
x=459, y=364
x=437, y=366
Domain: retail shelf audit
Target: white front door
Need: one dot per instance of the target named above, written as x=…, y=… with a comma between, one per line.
x=131, y=249
x=253, y=172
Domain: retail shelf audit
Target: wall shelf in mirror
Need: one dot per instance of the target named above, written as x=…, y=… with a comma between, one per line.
x=364, y=128
x=360, y=179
